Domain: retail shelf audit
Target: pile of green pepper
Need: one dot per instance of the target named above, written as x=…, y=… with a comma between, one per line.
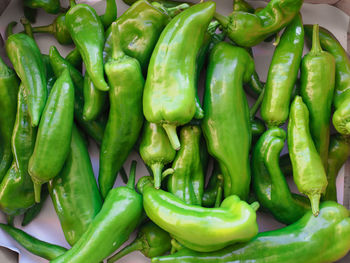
x=140, y=91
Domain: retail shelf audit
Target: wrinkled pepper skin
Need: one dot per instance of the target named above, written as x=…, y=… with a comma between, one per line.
x=341, y=99
x=8, y=101
x=308, y=171
x=321, y=239
x=282, y=75
x=151, y=241
x=89, y=40
x=54, y=134
x=317, y=76
x=125, y=114
x=155, y=150
x=50, y=6
x=29, y=66
x=187, y=180
x=199, y=228
x=248, y=29
x=120, y=215
x=269, y=184
x=226, y=124
x=74, y=192
x=170, y=89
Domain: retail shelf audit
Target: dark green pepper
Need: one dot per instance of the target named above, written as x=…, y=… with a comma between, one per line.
x=74, y=58
x=33, y=211
x=212, y=195
x=50, y=6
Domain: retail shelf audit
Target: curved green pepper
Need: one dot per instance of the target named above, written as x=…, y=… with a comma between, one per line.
x=199, y=228
x=120, y=215
x=187, y=178
x=170, y=89
x=125, y=115
x=226, y=124
x=110, y=14
x=321, y=239
x=74, y=191
x=54, y=134
x=28, y=64
x=50, y=6
x=308, y=171
x=151, y=240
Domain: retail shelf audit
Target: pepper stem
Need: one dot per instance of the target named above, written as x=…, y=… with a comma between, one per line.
x=123, y=175
x=219, y=192
x=9, y=28
x=157, y=169
x=254, y=109
x=175, y=246
x=135, y=245
x=172, y=135
x=132, y=175
x=27, y=27
x=37, y=190
x=117, y=48
x=316, y=45
x=167, y=172
x=315, y=203
x=223, y=20
x=255, y=206
x=173, y=11
x=44, y=29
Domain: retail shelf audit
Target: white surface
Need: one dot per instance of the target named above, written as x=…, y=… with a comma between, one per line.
x=46, y=226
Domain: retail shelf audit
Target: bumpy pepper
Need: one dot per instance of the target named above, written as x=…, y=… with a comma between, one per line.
x=50, y=6
x=199, y=228
x=170, y=89
x=308, y=171
x=226, y=124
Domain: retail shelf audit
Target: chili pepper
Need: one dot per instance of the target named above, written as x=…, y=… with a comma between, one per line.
x=243, y=6
x=74, y=191
x=225, y=105
x=74, y=58
x=258, y=128
x=8, y=100
x=50, y=75
x=50, y=6
x=54, y=134
x=341, y=99
x=325, y=238
x=169, y=95
x=187, y=178
x=197, y=227
x=317, y=88
x=89, y=40
x=110, y=14
x=155, y=150
x=308, y=172
x=151, y=241
x=119, y=216
x=212, y=195
x=282, y=74
x=248, y=30
x=33, y=211
x=125, y=115
x=32, y=244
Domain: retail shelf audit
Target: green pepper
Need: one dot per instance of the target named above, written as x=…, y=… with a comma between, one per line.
x=74, y=58
x=32, y=212
x=308, y=171
x=54, y=134
x=170, y=89
x=212, y=195
x=317, y=88
x=243, y=6
x=226, y=124
x=165, y=3
x=74, y=192
x=50, y=6
x=28, y=64
x=120, y=215
x=269, y=184
x=8, y=101
x=125, y=115
x=321, y=239
x=151, y=240
x=89, y=40
x=199, y=228
x=155, y=150
x=110, y=14
x=258, y=128
x=187, y=178
x=248, y=29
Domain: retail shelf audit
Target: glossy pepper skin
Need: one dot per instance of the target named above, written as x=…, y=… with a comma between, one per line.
x=199, y=228
x=155, y=150
x=151, y=241
x=321, y=239
x=50, y=6
x=74, y=191
x=248, y=29
x=170, y=89
x=269, y=184
x=125, y=115
x=120, y=214
x=258, y=128
x=28, y=64
x=89, y=40
x=283, y=73
x=187, y=180
x=317, y=88
x=110, y=14
x=308, y=171
x=8, y=101
x=226, y=124
x=341, y=99
x=54, y=134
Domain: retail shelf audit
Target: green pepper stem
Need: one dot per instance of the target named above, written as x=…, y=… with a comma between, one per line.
x=255, y=206
x=167, y=172
x=123, y=175
x=256, y=105
x=27, y=27
x=132, y=175
x=137, y=244
x=9, y=28
x=117, y=48
x=157, y=169
x=218, y=197
x=172, y=135
x=37, y=190
x=316, y=45
x=223, y=20
x=44, y=29
x=315, y=203
x=175, y=246
x=173, y=11
x=277, y=40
